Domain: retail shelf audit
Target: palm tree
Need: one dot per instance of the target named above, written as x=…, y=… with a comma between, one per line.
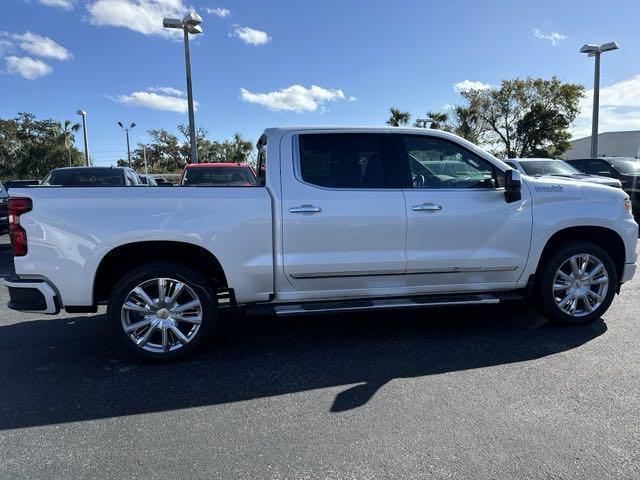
x=438, y=119
x=398, y=118
x=67, y=131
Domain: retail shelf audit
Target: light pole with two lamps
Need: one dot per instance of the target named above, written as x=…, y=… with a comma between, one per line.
x=190, y=24
x=595, y=51
x=126, y=129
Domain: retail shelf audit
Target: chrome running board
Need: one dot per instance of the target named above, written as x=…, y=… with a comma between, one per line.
x=392, y=303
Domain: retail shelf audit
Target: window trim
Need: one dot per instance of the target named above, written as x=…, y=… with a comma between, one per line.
x=407, y=168
x=297, y=162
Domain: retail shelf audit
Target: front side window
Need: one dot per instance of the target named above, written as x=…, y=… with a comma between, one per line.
x=342, y=160
x=439, y=164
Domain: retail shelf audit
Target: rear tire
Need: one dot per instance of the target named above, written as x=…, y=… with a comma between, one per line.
x=576, y=284
x=163, y=311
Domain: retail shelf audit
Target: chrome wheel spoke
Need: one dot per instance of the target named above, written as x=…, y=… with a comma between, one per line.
x=600, y=281
x=145, y=338
x=144, y=296
x=136, y=326
x=184, y=318
x=165, y=339
x=161, y=291
x=179, y=335
x=177, y=290
x=575, y=269
x=137, y=308
x=596, y=270
x=187, y=306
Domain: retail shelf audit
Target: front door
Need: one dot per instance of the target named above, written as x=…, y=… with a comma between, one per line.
x=461, y=233
x=344, y=220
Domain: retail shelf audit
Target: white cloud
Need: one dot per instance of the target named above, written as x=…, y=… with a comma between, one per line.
x=467, y=85
x=27, y=67
x=250, y=36
x=40, y=46
x=64, y=4
x=619, y=108
x=294, y=98
x=220, y=12
x=143, y=16
x=168, y=91
x=169, y=99
x=553, y=37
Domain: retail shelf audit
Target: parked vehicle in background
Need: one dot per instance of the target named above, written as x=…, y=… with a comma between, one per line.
x=148, y=180
x=218, y=175
x=161, y=182
x=541, y=167
x=92, y=177
x=4, y=221
x=340, y=219
x=625, y=169
x=8, y=185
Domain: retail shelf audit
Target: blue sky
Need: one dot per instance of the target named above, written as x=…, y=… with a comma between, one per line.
x=258, y=62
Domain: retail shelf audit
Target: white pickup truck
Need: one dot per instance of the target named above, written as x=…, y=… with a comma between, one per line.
x=341, y=219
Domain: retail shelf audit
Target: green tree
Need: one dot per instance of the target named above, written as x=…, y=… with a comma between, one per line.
x=511, y=115
x=398, y=117
x=466, y=123
x=439, y=119
x=67, y=136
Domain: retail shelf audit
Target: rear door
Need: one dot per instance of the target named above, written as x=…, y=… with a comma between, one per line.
x=461, y=233
x=344, y=220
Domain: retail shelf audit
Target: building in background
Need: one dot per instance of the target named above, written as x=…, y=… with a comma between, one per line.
x=610, y=144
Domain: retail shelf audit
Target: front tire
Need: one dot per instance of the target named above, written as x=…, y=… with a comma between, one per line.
x=163, y=311
x=577, y=284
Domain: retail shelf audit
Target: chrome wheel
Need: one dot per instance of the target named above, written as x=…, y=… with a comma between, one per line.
x=580, y=285
x=161, y=315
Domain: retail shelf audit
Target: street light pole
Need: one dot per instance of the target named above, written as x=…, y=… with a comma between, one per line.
x=596, y=107
x=83, y=114
x=192, y=122
x=126, y=130
x=190, y=24
x=595, y=51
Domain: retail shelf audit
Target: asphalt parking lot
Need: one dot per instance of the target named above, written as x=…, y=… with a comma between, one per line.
x=457, y=393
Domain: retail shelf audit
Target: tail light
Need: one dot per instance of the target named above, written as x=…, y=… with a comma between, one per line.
x=18, y=206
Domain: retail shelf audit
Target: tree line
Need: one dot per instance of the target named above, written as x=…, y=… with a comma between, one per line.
x=167, y=153
x=517, y=119
x=30, y=148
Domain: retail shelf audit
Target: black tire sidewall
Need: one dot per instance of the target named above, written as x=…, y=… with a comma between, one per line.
x=544, y=287
x=203, y=288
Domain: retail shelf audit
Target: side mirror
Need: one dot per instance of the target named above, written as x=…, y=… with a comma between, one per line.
x=512, y=186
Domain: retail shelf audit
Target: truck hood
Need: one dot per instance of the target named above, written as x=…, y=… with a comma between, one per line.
x=548, y=189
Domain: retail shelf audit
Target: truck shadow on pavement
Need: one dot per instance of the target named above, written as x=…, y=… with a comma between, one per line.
x=67, y=370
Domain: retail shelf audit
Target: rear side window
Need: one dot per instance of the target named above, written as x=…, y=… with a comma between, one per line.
x=342, y=160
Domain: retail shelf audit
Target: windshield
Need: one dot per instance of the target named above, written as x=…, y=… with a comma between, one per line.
x=547, y=167
x=86, y=177
x=221, y=176
x=628, y=166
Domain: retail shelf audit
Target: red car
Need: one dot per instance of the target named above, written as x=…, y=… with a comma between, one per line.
x=218, y=175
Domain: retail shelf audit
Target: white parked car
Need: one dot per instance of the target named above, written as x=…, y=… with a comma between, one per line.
x=340, y=219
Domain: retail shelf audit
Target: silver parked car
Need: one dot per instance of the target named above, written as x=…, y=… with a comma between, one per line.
x=542, y=167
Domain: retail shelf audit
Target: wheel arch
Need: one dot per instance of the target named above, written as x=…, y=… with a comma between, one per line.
x=606, y=238
x=118, y=261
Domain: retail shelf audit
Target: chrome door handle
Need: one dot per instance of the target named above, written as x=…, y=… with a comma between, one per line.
x=305, y=209
x=426, y=207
